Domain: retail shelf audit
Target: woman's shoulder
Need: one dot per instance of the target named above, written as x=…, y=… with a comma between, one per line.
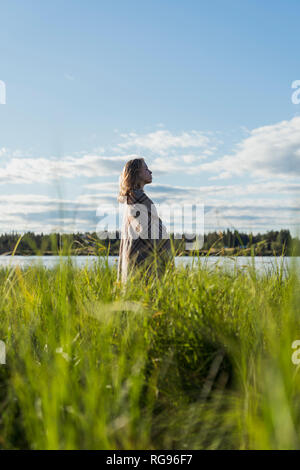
x=141, y=197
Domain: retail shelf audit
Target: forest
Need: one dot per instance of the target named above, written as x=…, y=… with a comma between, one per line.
x=271, y=243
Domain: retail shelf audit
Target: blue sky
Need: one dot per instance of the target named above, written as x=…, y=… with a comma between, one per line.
x=202, y=90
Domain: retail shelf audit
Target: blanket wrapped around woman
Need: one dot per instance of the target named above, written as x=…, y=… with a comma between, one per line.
x=144, y=238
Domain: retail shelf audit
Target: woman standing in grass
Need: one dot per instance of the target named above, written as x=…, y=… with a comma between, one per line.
x=144, y=238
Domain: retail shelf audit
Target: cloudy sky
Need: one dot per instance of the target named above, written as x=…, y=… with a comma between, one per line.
x=201, y=89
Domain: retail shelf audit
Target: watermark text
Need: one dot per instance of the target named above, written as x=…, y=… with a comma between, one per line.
x=296, y=95
x=296, y=354
x=141, y=221
x=2, y=92
x=2, y=353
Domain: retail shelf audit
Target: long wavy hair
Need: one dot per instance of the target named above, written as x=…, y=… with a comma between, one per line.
x=130, y=178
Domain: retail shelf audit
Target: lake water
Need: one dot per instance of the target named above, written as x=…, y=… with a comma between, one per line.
x=262, y=263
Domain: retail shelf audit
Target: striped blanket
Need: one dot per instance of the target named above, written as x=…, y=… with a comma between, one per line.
x=144, y=238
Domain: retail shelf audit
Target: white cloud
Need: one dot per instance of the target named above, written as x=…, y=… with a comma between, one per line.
x=8, y=153
x=185, y=164
x=268, y=151
x=107, y=185
x=42, y=213
x=3, y=151
x=268, y=158
x=162, y=141
x=274, y=189
x=44, y=170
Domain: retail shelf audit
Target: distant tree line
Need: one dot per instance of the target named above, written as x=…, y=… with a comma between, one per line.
x=217, y=243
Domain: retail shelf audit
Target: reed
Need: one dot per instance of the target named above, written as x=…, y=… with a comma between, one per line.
x=200, y=359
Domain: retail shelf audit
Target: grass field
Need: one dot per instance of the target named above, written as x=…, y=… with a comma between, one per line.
x=198, y=360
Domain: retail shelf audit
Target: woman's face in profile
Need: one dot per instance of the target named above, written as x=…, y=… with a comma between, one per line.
x=145, y=174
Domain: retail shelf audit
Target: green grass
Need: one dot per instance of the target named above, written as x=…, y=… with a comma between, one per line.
x=198, y=360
